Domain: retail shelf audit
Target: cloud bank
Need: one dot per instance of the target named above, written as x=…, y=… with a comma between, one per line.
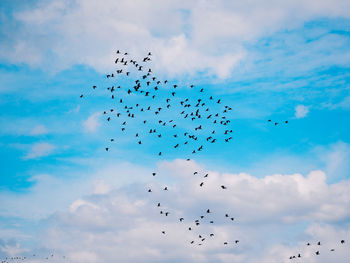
x=109, y=221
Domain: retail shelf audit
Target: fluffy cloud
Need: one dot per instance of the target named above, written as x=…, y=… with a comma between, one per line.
x=125, y=224
x=301, y=111
x=186, y=37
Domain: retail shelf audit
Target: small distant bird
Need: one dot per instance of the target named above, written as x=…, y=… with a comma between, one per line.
x=223, y=187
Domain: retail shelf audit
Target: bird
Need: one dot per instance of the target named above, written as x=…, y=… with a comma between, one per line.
x=223, y=187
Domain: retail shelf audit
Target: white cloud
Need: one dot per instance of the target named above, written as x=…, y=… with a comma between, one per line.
x=100, y=187
x=301, y=111
x=92, y=123
x=185, y=37
x=40, y=149
x=124, y=224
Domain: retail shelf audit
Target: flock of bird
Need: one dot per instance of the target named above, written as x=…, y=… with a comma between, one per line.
x=205, y=123
x=156, y=108
x=152, y=106
x=317, y=251
x=205, y=218
x=33, y=257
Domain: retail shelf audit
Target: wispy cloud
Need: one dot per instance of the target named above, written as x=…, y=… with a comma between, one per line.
x=39, y=130
x=38, y=150
x=92, y=123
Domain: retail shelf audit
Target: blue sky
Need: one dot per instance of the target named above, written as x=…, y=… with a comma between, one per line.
x=287, y=61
